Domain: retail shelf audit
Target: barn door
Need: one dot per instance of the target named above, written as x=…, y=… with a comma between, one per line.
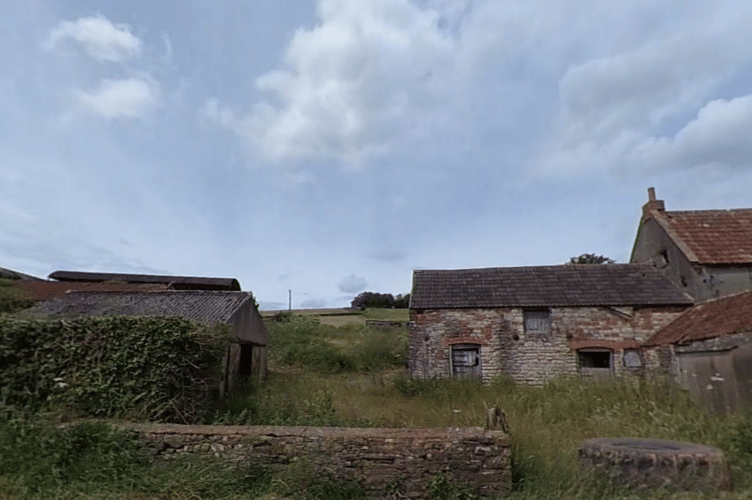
x=466, y=361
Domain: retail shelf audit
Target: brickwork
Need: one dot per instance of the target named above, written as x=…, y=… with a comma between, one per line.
x=379, y=459
x=506, y=349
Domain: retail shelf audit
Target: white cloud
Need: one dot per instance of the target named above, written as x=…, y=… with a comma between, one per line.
x=639, y=89
x=98, y=38
x=125, y=98
x=718, y=136
x=359, y=80
x=353, y=284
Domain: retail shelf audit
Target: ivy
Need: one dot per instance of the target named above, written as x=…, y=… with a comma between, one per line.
x=160, y=369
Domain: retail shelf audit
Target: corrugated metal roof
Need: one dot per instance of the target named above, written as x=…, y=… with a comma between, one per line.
x=177, y=282
x=713, y=237
x=545, y=286
x=204, y=306
x=707, y=320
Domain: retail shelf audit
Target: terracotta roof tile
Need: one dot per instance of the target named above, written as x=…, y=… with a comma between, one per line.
x=707, y=320
x=714, y=236
x=545, y=286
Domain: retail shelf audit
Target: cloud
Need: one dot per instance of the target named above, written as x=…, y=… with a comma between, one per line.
x=353, y=284
x=351, y=86
x=125, y=98
x=313, y=303
x=98, y=38
x=639, y=88
x=718, y=136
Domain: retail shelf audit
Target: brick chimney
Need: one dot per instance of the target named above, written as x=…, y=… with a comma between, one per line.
x=652, y=205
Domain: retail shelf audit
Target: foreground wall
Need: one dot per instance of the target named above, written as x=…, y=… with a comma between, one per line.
x=380, y=459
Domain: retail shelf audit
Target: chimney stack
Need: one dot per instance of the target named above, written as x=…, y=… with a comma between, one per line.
x=652, y=205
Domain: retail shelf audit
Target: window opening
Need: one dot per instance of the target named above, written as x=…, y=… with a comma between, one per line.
x=597, y=363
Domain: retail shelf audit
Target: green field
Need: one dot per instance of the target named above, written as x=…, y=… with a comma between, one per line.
x=355, y=376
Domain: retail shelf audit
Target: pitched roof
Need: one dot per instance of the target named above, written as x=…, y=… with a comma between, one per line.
x=545, y=286
x=707, y=320
x=710, y=236
x=15, y=275
x=204, y=306
x=177, y=282
x=46, y=290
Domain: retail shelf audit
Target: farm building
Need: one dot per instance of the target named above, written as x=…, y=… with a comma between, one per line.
x=246, y=354
x=708, y=348
x=536, y=323
x=707, y=253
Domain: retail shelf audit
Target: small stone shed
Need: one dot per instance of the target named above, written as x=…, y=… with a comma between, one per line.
x=246, y=355
x=708, y=348
x=535, y=323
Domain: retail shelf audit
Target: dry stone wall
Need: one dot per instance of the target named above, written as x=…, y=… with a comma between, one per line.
x=404, y=460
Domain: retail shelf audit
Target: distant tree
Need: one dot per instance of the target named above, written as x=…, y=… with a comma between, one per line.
x=590, y=258
x=402, y=301
x=373, y=299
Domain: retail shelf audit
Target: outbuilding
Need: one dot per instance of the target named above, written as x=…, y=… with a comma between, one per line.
x=535, y=323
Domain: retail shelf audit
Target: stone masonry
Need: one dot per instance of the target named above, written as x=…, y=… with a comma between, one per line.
x=506, y=349
x=379, y=459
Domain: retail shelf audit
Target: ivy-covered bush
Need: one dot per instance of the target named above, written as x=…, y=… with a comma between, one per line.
x=161, y=369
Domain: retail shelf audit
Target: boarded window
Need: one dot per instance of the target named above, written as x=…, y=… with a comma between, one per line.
x=632, y=359
x=594, y=362
x=538, y=323
x=466, y=361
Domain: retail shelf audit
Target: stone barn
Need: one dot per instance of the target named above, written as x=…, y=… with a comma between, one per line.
x=535, y=323
x=246, y=353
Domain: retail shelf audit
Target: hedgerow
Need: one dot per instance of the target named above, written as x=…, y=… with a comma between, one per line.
x=160, y=369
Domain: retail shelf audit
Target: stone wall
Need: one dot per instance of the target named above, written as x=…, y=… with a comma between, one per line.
x=506, y=349
x=380, y=459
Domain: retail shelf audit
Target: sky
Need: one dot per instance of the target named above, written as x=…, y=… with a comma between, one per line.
x=331, y=147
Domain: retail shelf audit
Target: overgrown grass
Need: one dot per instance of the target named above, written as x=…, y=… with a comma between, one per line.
x=12, y=298
x=91, y=460
x=547, y=423
x=357, y=379
x=301, y=341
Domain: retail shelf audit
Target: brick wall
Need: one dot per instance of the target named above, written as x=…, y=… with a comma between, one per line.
x=506, y=349
x=379, y=459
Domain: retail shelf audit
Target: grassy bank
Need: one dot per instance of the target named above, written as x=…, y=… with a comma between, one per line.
x=354, y=376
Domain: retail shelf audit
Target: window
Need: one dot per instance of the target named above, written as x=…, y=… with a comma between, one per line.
x=594, y=362
x=465, y=359
x=537, y=322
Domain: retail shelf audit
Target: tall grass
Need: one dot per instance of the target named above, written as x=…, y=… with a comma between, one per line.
x=355, y=376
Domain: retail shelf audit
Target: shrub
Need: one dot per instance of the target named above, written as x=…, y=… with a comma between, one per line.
x=152, y=368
